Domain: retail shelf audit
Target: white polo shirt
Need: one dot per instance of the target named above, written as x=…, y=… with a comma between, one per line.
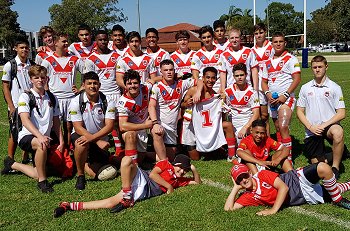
x=93, y=117
x=320, y=101
x=22, y=76
x=43, y=120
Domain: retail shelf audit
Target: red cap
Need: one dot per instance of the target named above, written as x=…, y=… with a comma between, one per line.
x=238, y=169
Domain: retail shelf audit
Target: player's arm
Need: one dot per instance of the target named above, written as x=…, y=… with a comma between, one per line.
x=155, y=176
x=195, y=74
x=230, y=201
x=152, y=112
x=196, y=176
x=7, y=94
x=281, y=154
x=188, y=101
x=339, y=115
x=58, y=131
x=154, y=78
x=255, y=78
x=119, y=78
x=296, y=81
x=255, y=116
x=247, y=156
x=282, y=191
x=222, y=76
x=125, y=126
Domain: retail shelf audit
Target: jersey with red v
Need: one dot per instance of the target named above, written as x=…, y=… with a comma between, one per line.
x=158, y=58
x=82, y=51
x=58, y=68
x=136, y=108
x=234, y=61
x=279, y=66
x=101, y=65
x=206, y=60
x=180, y=62
x=234, y=100
x=264, y=56
x=133, y=66
x=175, y=95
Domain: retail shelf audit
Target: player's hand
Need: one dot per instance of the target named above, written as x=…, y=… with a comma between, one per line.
x=75, y=90
x=41, y=49
x=242, y=133
x=103, y=144
x=281, y=99
x=44, y=141
x=148, y=123
x=316, y=129
x=266, y=212
x=235, y=185
x=158, y=129
x=83, y=140
x=264, y=163
x=274, y=163
x=189, y=102
x=222, y=95
x=196, y=97
x=170, y=190
x=60, y=147
x=12, y=110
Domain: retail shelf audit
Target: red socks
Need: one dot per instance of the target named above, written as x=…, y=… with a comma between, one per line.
x=132, y=154
x=231, y=143
x=332, y=188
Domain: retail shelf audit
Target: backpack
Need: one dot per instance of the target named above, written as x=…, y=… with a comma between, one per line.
x=14, y=71
x=15, y=119
x=82, y=104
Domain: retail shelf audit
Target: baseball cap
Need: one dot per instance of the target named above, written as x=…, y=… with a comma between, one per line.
x=238, y=169
x=182, y=161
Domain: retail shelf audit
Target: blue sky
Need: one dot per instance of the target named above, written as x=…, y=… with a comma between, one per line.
x=157, y=13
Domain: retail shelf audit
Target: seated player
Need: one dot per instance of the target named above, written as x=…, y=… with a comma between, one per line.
x=295, y=187
x=138, y=185
x=255, y=149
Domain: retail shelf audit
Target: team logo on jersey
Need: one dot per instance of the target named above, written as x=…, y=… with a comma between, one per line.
x=54, y=64
x=130, y=63
x=244, y=56
x=145, y=62
x=113, y=59
x=158, y=59
x=80, y=51
x=268, y=66
x=326, y=94
x=178, y=90
x=97, y=61
x=202, y=58
x=71, y=63
x=266, y=153
x=266, y=185
x=267, y=53
x=281, y=63
x=121, y=102
x=232, y=97
x=164, y=92
x=246, y=98
x=230, y=58
x=217, y=56
x=177, y=61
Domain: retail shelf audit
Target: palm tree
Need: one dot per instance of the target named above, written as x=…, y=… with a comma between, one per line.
x=234, y=14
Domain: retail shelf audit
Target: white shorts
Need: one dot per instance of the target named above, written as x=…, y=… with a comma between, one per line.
x=143, y=187
x=142, y=139
x=170, y=136
x=291, y=101
x=64, y=109
x=187, y=134
x=236, y=130
x=262, y=99
x=312, y=193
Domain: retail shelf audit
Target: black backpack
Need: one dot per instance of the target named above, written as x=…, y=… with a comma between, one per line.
x=15, y=119
x=14, y=71
x=82, y=104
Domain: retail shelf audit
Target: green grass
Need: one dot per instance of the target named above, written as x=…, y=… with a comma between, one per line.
x=200, y=207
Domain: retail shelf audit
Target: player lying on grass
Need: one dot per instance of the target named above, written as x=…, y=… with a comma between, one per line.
x=295, y=187
x=138, y=184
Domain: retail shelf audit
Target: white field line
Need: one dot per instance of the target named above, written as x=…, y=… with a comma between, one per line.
x=296, y=209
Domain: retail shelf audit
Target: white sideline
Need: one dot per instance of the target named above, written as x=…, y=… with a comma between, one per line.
x=296, y=209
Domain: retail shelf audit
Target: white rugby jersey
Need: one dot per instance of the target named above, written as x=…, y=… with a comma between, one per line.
x=42, y=120
x=278, y=72
x=182, y=62
x=81, y=51
x=62, y=72
x=207, y=124
x=143, y=64
x=104, y=66
x=223, y=46
x=229, y=58
x=158, y=56
x=203, y=58
x=136, y=109
x=241, y=104
x=320, y=102
x=43, y=55
x=169, y=99
x=121, y=52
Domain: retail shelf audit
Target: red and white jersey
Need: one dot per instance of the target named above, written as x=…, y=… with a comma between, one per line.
x=203, y=58
x=169, y=99
x=182, y=62
x=207, y=124
x=222, y=46
x=262, y=151
x=229, y=58
x=143, y=64
x=43, y=55
x=136, y=109
x=261, y=54
x=104, y=66
x=62, y=72
x=264, y=194
x=121, y=52
x=81, y=51
x=158, y=56
x=278, y=72
x=241, y=104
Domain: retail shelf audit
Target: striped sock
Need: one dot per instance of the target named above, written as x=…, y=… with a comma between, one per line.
x=343, y=187
x=279, y=137
x=76, y=206
x=117, y=143
x=332, y=188
x=132, y=154
x=231, y=143
x=288, y=143
x=127, y=193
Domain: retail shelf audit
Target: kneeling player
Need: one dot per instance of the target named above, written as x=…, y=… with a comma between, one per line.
x=138, y=185
x=295, y=187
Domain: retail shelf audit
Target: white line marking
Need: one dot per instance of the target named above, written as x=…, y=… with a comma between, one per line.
x=296, y=209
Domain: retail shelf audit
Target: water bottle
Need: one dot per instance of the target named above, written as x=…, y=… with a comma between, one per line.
x=274, y=107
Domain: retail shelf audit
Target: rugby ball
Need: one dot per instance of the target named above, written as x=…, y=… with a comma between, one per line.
x=107, y=172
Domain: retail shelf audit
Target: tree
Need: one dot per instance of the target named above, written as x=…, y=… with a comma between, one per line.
x=232, y=17
x=68, y=15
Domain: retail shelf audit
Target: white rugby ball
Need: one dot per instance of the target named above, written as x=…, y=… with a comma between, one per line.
x=107, y=172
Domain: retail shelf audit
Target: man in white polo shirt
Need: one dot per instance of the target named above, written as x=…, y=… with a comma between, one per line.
x=92, y=124
x=320, y=108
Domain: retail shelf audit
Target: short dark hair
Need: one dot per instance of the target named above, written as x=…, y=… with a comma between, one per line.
x=259, y=26
x=182, y=34
x=21, y=40
x=91, y=75
x=219, y=23
x=166, y=62
x=153, y=30
x=46, y=29
x=59, y=34
x=278, y=34
x=132, y=35
x=118, y=28
x=319, y=58
x=84, y=27
x=239, y=67
x=206, y=29
x=211, y=69
x=131, y=74
x=259, y=122
x=101, y=32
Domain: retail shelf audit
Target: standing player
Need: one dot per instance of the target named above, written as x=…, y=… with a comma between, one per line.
x=118, y=43
x=158, y=54
x=281, y=76
x=220, y=40
x=243, y=102
x=47, y=35
x=136, y=60
x=239, y=54
x=320, y=108
x=208, y=56
x=62, y=71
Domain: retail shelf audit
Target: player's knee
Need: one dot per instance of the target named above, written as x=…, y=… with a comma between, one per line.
x=130, y=136
x=126, y=161
x=338, y=135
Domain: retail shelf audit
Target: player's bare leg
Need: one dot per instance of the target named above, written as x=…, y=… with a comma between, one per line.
x=336, y=133
x=264, y=115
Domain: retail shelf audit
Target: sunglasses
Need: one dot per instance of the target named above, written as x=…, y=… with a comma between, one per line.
x=241, y=177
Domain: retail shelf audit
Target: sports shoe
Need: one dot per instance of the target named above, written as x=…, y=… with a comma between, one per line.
x=8, y=162
x=44, y=186
x=123, y=204
x=81, y=182
x=61, y=209
x=336, y=173
x=344, y=203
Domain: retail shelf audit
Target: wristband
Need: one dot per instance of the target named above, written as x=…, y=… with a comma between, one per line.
x=154, y=122
x=286, y=94
x=267, y=92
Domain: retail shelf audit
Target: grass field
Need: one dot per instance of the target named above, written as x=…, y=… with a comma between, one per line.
x=200, y=207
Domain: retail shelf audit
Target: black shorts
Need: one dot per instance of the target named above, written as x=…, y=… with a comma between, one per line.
x=95, y=153
x=26, y=143
x=314, y=146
